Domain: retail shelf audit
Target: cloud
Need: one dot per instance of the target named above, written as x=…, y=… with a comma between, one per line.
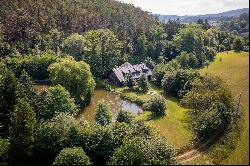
x=234, y=2
x=188, y=7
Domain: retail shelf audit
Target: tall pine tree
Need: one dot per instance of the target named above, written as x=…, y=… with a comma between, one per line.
x=21, y=131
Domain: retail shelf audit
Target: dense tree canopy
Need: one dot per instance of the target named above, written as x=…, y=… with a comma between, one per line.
x=74, y=46
x=210, y=104
x=59, y=100
x=177, y=82
x=75, y=77
x=24, y=24
x=102, y=51
x=161, y=69
x=238, y=44
x=141, y=151
x=9, y=88
x=35, y=65
x=190, y=39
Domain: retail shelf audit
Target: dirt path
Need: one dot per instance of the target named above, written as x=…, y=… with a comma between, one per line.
x=194, y=153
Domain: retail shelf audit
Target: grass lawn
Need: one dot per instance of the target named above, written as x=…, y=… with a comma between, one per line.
x=173, y=126
x=234, y=69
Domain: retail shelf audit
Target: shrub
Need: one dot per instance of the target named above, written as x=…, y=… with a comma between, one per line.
x=72, y=156
x=156, y=105
x=124, y=116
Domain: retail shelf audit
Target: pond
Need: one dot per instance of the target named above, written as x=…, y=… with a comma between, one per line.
x=114, y=102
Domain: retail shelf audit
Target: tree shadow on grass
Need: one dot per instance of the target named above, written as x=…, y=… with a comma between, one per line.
x=154, y=117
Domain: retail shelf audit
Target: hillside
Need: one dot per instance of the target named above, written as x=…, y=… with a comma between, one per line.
x=210, y=17
x=25, y=23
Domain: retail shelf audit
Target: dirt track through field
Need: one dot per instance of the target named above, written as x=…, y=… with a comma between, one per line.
x=194, y=153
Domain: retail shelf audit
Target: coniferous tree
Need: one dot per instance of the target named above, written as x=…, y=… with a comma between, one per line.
x=21, y=131
x=8, y=96
x=103, y=115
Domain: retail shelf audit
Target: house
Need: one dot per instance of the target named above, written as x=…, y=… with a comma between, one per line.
x=119, y=75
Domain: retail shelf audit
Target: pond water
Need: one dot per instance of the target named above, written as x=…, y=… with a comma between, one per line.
x=114, y=102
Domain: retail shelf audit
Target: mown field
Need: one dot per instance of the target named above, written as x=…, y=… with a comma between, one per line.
x=234, y=69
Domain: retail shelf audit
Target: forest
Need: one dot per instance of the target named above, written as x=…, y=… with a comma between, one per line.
x=72, y=46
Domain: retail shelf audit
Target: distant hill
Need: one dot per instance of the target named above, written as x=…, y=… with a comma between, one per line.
x=210, y=17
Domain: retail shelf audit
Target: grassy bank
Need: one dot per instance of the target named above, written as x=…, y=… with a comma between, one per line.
x=232, y=148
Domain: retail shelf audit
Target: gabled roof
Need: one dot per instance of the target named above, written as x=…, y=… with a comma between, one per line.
x=127, y=68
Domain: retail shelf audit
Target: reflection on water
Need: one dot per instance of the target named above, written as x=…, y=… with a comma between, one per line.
x=114, y=102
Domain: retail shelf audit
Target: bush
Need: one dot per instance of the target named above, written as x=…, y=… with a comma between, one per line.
x=72, y=156
x=156, y=105
x=124, y=116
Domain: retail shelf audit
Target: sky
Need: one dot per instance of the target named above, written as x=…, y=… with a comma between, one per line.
x=188, y=7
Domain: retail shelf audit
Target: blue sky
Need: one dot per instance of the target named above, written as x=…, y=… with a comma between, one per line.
x=188, y=7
